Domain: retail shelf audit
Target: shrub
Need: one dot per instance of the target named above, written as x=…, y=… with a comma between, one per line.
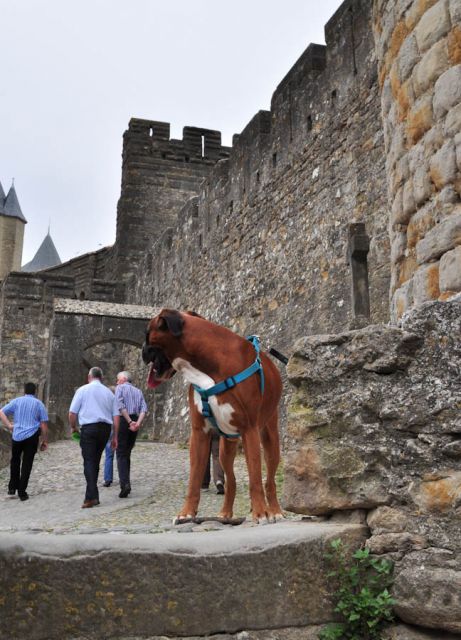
x=362, y=596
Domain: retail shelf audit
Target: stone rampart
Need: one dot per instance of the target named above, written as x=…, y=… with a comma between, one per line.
x=263, y=248
x=419, y=54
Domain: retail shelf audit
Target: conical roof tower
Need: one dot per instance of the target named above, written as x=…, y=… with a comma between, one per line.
x=46, y=256
x=11, y=206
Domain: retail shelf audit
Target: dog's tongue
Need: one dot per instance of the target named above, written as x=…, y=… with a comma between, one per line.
x=151, y=381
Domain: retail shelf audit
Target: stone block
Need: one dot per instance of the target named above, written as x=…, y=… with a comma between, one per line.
x=398, y=246
x=432, y=65
x=408, y=57
x=443, y=237
x=450, y=270
x=402, y=300
x=442, y=165
x=455, y=11
x=416, y=11
x=395, y=543
x=433, y=26
x=386, y=520
x=428, y=590
x=426, y=283
x=452, y=124
x=81, y=578
x=438, y=492
x=408, y=200
x=422, y=185
x=397, y=213
x=419, y=120
x=420, y=224
x=447, y=91
x=405, y=632
x=454, y=45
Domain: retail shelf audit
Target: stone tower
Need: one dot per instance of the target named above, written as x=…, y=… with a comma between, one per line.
x=418, y=45
x=12, y=224
x=159, y=175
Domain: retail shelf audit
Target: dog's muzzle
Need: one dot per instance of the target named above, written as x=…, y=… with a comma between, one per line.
x=160, y=367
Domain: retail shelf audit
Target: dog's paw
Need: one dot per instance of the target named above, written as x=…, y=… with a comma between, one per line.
x=183, y=519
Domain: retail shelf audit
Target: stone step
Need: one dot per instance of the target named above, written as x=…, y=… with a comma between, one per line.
x=197, y=583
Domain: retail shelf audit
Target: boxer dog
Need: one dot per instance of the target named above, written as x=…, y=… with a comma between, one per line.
x=206, y=353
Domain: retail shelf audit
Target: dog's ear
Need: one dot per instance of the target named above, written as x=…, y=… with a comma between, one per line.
x=172, y=321
x=195, y=314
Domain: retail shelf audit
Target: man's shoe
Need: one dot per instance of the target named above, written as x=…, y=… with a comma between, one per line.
x=219, y=488
x=11, y=492
x=90, y=503
x=125, y=492
x=23, y=496
x=107, y=483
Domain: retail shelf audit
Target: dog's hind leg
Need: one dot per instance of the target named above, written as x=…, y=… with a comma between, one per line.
x=271, y=446
x=227, y=451
x=252, y=449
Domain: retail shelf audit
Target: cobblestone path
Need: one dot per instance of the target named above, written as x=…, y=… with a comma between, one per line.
x=159, y=480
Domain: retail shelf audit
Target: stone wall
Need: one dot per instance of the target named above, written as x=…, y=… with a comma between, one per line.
x=419, y=54
x=374, y=424
x=263, y=248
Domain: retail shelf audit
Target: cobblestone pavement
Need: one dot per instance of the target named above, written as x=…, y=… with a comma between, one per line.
x=159, y=475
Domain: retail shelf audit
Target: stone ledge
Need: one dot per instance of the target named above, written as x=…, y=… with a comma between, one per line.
x=91, y=308
x=140, y=585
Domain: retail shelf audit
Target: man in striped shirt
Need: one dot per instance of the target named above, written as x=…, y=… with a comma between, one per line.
x=30, y=422
x=132, y=408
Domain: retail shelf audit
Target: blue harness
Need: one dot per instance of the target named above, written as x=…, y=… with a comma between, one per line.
x=229, y=383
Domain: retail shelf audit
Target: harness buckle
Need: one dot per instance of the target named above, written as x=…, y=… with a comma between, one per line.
x=230, y=382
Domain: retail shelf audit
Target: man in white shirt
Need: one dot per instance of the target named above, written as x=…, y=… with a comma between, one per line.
x=95, y=407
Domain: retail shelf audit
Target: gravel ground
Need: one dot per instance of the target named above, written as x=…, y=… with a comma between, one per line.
x=159, y=475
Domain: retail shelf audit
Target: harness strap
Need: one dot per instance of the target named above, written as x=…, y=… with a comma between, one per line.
x=230, y=383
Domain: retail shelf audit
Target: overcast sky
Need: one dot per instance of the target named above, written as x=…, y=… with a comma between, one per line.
x=73, y=72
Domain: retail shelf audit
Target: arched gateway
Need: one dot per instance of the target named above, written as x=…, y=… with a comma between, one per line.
x=84, y=334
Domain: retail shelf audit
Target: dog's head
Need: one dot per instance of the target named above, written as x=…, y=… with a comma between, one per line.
x=162, y=345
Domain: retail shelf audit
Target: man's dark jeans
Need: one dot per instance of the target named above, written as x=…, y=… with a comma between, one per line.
x=93, y=439
x=126, y=442
x=20, y=473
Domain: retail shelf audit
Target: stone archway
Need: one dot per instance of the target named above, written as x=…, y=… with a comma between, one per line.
x=77, y=328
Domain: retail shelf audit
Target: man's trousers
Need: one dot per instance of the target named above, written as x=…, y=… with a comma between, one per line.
x=20, y=469
x=93, y=439
x=126, y=442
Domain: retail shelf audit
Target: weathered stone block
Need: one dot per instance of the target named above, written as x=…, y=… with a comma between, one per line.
x=408, y=200
x=420, y=224
x=447, y=91
x=404, y=632
x=452, y=124
x=450, y=270
x=455, y=11
x=83, y=577
x=434, y=24
x=426, y=283
x=408, y=57
x=386, y=520
x=402, y=300
x=432, y=65
x=441, y=238
x=454, y=45
x=416, y=11
x=420, y=119
x=358, y=398
x=395, y=542
x=443, y=165
x=398, y=246
x=428, y=589
x=422, y=185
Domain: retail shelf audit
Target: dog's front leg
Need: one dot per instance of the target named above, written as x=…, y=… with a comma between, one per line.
x=252, y=448
x=198, y=455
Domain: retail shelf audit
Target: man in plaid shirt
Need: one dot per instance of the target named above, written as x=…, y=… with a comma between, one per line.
x=133, y=408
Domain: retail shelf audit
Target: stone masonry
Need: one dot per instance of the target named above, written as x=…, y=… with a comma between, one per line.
x=419, y=57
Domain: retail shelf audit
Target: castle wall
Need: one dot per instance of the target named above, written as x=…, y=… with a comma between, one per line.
x=263, y=248
x=11, y=243
x=26, y=310
x=419, y=52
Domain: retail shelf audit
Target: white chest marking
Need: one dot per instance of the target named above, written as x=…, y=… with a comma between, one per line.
x=222, y=412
